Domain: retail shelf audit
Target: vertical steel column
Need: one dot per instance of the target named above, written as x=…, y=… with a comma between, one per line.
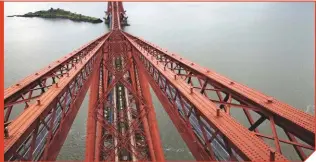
x=152, y=122
x=91, y=122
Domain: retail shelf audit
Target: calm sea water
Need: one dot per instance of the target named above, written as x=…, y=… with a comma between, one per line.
x=266, y=46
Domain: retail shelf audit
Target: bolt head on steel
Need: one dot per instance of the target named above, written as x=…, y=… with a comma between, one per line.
x=270, y=100
x=218, y=112
x=192, y=63
x=6, y=132
x=38, y=102
x=17, y=84
x=36, y=73
x=231, y=82
x=272, y=154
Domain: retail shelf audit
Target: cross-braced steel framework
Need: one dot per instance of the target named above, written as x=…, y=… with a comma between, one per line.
x=118, y=68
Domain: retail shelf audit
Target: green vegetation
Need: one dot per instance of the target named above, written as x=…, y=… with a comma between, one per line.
x=60, y=13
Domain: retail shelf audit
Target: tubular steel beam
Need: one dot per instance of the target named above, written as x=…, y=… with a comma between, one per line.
x=151, y=118
x=244, y=143
x=116, y=23
x=121, y=119
x=124, y=133
x=91, y=122
x=214, y=86
x=104, y=84
x=136, y=86
x=57, y=107
x=187, y=134
x=120, y=7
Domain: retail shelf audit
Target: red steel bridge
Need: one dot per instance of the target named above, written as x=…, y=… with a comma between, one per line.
x=118, y=69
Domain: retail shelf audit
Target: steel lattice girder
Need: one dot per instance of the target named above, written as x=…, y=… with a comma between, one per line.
x=115, y=25
x=196, y=148
x=136, y=83
x=115, y=140
x=295, y=123
x=183, y=87
x=35, y=85
x=103, y=84
x=244, y=143
x=44, y=126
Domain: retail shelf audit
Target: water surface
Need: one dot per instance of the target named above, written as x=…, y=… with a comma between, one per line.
x=266, y=46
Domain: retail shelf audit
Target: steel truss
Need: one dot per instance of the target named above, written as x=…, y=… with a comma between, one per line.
x=118, y=68
x=227, y=94
x=121, y=111
x=39, y=132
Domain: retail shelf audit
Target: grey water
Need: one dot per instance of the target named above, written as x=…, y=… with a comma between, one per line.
x=266, y=46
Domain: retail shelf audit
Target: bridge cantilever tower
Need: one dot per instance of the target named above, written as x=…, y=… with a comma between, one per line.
x=121, y=12
x=118, y=68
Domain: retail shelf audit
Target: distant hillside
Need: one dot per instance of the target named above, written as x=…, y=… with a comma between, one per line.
x=60, y=13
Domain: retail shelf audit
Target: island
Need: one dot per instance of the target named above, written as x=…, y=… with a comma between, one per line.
x=60, y=13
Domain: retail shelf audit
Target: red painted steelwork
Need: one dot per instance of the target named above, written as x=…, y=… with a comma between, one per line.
x=151, y=118
x=67, y=96
x=109, y=9
x=215, y=87
x=102, y=87
x=38, y=83
x=116, y=24
x=120, y=7
x=187, y=134
x=122, y=124
x=240, y=139
x=91, y=122
x=136, y=86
